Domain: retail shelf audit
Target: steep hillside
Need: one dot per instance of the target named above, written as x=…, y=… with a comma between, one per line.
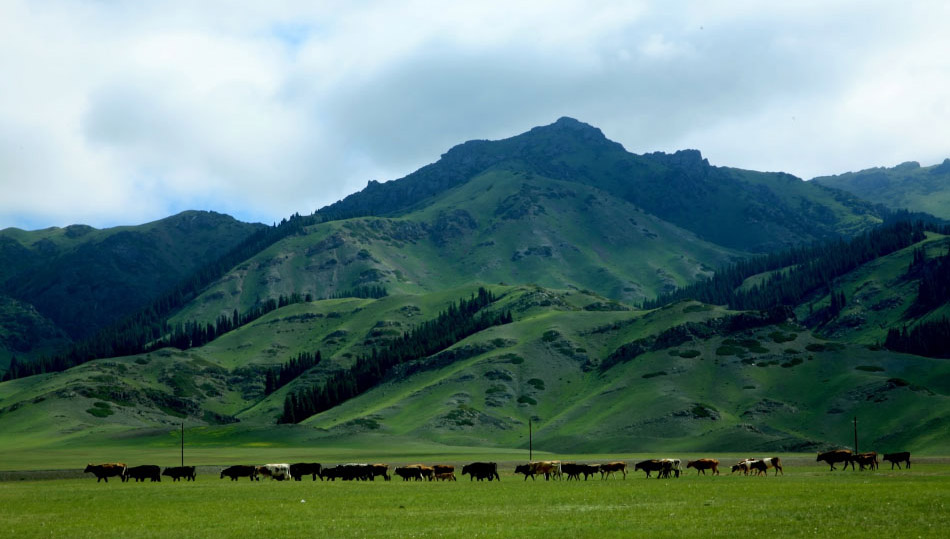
x=501, y=226
x=739, y=209
x=908, y=185
x=81, y=279
x=686, y=377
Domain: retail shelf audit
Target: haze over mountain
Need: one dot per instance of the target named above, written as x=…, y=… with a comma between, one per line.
x=562, y=235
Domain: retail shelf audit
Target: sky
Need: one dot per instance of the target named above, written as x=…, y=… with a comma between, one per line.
x=123, y=112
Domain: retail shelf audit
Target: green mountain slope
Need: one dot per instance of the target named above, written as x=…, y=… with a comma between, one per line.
x=501, y=226
x=739, y=209
x=81, y=279
x=698, y=385
x=908, y=185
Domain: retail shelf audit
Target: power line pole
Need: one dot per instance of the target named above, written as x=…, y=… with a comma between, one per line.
x=855, y=434
x=182, y=444
x=530, y=443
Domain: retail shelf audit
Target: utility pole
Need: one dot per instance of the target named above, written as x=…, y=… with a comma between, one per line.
x=182, y=444
x=530, y=443
x=855, y=434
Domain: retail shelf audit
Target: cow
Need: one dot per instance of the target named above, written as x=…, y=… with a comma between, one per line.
x=300, y=469
x=409, y=472
x=177, y=472
x=377, y=470
x=648, y=466
x=609, y=468
x=897, y=458
x=573, y=470
x=481, y=470
x=865, y=459
x=548, y=468
x=702, y=465
x=833, y=457
x=141, y=473
x=278, y=472
x=443, y=469
x=445, y=476
x=331, y=473
x=240, y=471
x=759, y=465
x=104, y=471
x=674, y=466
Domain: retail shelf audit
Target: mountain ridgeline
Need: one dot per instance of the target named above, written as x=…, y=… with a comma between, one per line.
x=616, y=301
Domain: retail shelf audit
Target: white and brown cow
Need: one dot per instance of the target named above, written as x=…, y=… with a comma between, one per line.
x=279, y=472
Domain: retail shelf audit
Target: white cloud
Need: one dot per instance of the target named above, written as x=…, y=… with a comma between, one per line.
x=124, y=112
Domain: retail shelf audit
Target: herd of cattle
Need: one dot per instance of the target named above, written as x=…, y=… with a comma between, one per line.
x=551, y=469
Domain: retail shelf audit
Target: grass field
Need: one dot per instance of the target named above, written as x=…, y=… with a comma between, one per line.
x=807, y=501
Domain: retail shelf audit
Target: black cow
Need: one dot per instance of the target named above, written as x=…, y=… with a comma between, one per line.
x=481, y=470
x=240, y=471
x=177, y=472
x=300, y=469
x=897, y=458
x=141, y=473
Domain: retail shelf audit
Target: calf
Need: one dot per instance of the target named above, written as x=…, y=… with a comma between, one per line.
x=702, y=465
x=141, y=473
x=445, y=476
x=897, y=458
x=104, y=471
x=177, y=472
x=234, y=472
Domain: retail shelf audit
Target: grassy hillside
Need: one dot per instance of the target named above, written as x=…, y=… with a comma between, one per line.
x=739, y=209
x=81, y=279
x=697, y=387
x=501, y=227
x=908, y=185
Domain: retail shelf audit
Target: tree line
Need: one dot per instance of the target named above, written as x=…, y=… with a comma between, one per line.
x=278, y=377
x=449, y=327
x=798, y=271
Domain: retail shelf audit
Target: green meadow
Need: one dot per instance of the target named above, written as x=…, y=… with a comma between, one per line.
x=807, y=501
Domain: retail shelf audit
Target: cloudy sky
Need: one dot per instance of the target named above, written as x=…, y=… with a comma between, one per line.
x=115, y=112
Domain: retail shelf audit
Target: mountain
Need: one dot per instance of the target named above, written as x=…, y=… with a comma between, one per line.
x=734, y=208
x=906, y=186
x=567, y=238
x=62, y=284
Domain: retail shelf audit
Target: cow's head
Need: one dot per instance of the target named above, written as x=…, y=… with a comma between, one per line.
x=523, y=468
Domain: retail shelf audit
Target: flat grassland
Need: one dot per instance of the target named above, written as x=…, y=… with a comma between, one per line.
x=807, y=501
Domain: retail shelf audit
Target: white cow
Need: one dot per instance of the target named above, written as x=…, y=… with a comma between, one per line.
x=279, y=472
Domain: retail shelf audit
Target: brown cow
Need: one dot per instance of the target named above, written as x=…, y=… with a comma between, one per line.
x=445, y=476
x=104, y=471
x=702, y=465
x=443, y=469
x=547, y=468
x=177, y=472
x=897, y=458
x=833, y=457
x=611, y=467
x=865, y=459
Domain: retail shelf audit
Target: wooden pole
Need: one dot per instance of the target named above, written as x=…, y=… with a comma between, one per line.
x=530, y=443
x=183, y=444
x=855, y=434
